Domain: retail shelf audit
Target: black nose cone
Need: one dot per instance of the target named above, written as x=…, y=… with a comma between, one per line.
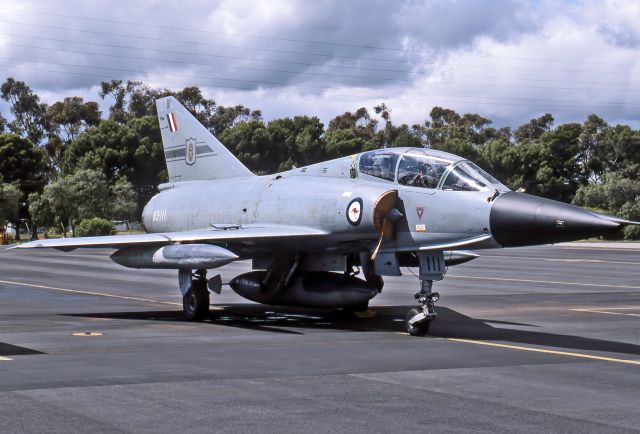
x=519, y=219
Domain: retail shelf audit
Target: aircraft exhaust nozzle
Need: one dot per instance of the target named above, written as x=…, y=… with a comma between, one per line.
x=519, y=219
x=174, y=256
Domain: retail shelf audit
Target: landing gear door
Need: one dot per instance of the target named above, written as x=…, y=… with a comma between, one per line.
x=386, y=264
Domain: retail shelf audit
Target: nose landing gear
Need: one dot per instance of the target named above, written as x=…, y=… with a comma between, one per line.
x=418, y=319
x=432, y=268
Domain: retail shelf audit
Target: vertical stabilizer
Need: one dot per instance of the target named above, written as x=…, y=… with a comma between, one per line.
x=191, y=151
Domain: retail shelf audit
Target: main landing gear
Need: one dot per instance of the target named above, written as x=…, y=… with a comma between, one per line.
x=418, y=319
x=432, y=268
x=195, y=294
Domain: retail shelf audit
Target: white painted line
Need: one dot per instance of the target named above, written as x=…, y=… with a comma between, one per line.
x=548, y=282
x=608, y=312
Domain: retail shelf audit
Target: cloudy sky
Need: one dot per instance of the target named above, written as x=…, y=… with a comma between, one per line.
x=507, y=60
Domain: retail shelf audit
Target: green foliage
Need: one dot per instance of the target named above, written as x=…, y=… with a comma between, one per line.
x=42, y=211
x=351, y=133
x=82, y=195
x=25, y=106
x=132, y=151
x=615, y=195
x=278, y=145
x=534, y=129
x=95, y=227
x=67, y=119
x=250, y=142
x=22, y=162
x=631, y=211
x=9, y=198
x=611, y=194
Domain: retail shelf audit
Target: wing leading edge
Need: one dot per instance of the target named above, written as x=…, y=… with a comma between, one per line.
x=214, y=234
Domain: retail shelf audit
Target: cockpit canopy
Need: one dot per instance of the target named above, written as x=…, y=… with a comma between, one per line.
x=426, y=168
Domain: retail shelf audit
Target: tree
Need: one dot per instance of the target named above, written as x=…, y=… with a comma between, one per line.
x=9, y=198
x=3, y=123
x=310, y=146
x=503, y=160
x=117, y=90
x=133, y=151
x=592, y=156
x=83, y=195
x=28, y=112
x=612, y=194
x=22, y=162
x=251, y=143
x=227, y=117
x=42, y=212
x=410, y=137
x=460, y=134
x=68, y=118
x=351, y=133
x=95, y=227
x=561, y=173
x=533, y=130
x=619, y=151
x=388, y=133
x=296, y=142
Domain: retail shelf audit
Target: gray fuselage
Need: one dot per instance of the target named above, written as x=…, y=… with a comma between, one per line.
x=318, y=196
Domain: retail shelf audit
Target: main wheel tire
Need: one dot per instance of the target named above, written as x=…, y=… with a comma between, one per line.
x=416, y=329
x=195, y=302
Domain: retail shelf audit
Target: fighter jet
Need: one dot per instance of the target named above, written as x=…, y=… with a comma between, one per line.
x=325, y=235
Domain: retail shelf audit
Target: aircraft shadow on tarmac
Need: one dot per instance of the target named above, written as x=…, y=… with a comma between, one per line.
x=450, y=324
x=14, y=350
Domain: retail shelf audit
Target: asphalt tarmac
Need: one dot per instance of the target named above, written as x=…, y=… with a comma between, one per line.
x=534, y=340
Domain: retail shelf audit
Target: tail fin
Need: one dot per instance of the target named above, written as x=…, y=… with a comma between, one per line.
x=191, y=151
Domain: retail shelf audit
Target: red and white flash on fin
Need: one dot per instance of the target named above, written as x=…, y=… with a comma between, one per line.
x=173, y=126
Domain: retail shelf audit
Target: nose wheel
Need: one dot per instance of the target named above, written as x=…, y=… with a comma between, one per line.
x=418, y=319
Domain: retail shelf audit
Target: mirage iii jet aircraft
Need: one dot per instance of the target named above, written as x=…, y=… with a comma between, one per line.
x=324, y=235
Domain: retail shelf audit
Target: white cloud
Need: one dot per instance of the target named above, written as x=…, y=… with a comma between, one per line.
x=507, y=60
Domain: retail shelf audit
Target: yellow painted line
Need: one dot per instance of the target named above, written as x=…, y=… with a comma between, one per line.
x=5, y=359
x=608, y=312
x=98, y=294
x=550, y=282
x=90, y=334
x=554, y=352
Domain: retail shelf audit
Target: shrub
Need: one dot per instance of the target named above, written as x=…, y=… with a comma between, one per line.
x=95, y=227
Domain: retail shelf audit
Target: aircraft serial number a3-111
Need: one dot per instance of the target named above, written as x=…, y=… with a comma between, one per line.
x=311, y=231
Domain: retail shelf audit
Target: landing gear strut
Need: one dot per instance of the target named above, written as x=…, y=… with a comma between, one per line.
x=432, y=268
x=195, y=295
x=418, y=319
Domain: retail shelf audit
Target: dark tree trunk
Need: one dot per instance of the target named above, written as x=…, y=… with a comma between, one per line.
x=34, y=231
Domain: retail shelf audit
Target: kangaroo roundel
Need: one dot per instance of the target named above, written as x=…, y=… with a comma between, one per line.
x=354, y=211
